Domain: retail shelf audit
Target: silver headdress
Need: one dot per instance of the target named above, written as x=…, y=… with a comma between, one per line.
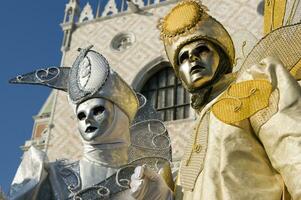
x=90, y=76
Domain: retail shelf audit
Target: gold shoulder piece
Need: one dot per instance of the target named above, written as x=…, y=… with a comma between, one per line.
x=242, y=100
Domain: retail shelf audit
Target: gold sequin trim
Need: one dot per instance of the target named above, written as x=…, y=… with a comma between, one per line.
x=296, y=71
x=262, y=116
x=185, y=18
x=193, y=160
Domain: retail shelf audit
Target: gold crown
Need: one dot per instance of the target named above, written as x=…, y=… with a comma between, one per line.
x=188, y=21
x=183, y=18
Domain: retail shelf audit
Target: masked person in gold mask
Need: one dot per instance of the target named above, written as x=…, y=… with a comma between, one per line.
x=247, y=140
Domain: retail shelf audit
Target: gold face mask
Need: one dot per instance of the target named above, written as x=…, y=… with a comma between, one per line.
x=187, y=22
x=198, y=61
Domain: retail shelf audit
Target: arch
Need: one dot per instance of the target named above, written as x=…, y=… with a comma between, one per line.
x=158, y=83
x=147, y=71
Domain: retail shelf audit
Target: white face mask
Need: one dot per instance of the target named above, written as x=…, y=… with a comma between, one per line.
x=101, y=122
x=95, y=116
x=106, y=135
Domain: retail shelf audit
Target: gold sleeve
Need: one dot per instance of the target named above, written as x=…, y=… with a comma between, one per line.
x=279, y=125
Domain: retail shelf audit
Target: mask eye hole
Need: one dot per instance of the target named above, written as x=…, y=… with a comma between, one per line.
x=201, y=50
x=98, y=110
x=184, y=56
x=81, y=116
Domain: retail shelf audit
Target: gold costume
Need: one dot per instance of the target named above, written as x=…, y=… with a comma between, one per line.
x=245, y=157
x=247, y=141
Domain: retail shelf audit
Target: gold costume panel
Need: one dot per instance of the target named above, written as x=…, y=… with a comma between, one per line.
x=241, y=163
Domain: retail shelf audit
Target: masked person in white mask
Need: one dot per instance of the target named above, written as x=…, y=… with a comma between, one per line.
x=105, y=107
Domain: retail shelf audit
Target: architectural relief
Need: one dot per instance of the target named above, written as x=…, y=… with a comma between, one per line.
x=86, y=14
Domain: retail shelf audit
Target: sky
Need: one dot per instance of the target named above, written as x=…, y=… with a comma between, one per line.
x=30, y=38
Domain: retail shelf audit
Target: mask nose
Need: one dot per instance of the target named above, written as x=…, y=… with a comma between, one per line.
x=88, y=120
x=87, y=123
x=193, y=57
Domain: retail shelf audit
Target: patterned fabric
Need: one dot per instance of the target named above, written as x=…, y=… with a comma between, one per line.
x=185, y=16
x=283, y=43
x=242, y=100
x=193, y=160
x=262, y=116
x=296, y=71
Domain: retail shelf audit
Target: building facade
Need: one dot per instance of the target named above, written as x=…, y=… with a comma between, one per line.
x=125, y=32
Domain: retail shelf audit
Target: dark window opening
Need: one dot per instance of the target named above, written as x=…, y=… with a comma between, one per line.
x=167, y=95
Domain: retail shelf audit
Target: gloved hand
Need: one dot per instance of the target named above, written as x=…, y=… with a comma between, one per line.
x=148, y=185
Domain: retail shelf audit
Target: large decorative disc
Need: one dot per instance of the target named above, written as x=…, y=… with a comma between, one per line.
x=182, y=18
x=88, y=74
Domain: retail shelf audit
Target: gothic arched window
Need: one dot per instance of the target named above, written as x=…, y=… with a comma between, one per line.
x=167, y=95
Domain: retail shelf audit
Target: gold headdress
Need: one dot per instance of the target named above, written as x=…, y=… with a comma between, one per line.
x=187, y=22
